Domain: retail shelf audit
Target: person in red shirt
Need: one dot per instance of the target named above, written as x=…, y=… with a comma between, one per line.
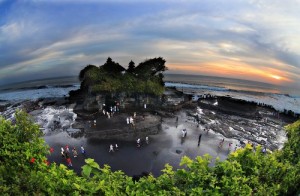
x=69, y=161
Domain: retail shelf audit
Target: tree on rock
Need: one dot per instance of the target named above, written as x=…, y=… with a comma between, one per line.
x=112, y=67
x=131, y=67
x=111, y=79
x=151, y=67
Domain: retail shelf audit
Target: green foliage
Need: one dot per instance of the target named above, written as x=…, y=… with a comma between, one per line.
x=151, y=67
x=112, y=67
x=245, y=171
x=83, y=71
x=108, y=84
x=131, y=67
x=146, y=78
x=291, y=149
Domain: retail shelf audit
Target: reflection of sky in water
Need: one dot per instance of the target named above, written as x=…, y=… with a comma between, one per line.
x=278, y=101
x=152, y=157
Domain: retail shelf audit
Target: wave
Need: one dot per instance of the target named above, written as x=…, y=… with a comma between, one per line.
x=194, y=86
x=37, y=93
x=40, y=87
x=218, y=88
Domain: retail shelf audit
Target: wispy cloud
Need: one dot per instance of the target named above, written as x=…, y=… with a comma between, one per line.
x=244, y=39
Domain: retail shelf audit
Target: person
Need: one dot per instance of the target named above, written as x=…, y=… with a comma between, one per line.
x=199, y=139
x=74, y=152
x=67, y=149
x=69, y=161
x=117, y=104
x=183, y=133
x=221, y=143
x=138, y=142
x=145, y=106
x=147, y=140
x=74, y=116
x=116, y=147
x=131, y=120
x=264, y=150
x=229, y=145
x=95, y=122
x=127, y=120
x=111, y=148
x=62, y=151
x=82, y=150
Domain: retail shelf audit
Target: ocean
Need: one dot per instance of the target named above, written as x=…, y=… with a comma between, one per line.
x=278, y=97
x=229, y=84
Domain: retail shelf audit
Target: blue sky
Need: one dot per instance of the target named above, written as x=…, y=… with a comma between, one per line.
x=246, y=39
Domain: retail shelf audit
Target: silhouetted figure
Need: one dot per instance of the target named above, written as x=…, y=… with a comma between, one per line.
x=199, y=139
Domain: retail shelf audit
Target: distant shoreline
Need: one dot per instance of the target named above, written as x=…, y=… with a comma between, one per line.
x=60, y=87
x=174, y=78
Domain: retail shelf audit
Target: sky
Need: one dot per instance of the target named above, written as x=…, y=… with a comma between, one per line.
x=246, y=39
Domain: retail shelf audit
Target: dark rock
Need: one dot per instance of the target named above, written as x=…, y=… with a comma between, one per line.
x=178, y=151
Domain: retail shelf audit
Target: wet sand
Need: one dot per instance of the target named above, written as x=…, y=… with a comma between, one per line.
x=165, y=147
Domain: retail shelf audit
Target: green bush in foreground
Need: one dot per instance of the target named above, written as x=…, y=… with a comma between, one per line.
x=24, y=170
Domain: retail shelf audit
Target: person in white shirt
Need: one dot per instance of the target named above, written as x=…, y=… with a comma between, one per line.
x=111, y=148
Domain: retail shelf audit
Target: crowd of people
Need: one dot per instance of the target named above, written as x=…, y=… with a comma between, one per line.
x=65, y=153
x=139, y=143
x=206, y=130
x=113, y=148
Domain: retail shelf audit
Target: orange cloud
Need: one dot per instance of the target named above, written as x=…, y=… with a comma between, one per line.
x=234, y=69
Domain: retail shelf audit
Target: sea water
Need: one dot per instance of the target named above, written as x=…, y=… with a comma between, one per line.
x=278, y=97
x=229, y=84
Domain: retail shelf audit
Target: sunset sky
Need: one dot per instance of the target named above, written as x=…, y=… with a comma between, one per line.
x=247, y=39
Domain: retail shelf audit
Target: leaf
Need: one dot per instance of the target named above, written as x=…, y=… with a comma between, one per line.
x=77, y=186
x=86, y=171
x=186, y=161
x=95, y=165
x=89, y=160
